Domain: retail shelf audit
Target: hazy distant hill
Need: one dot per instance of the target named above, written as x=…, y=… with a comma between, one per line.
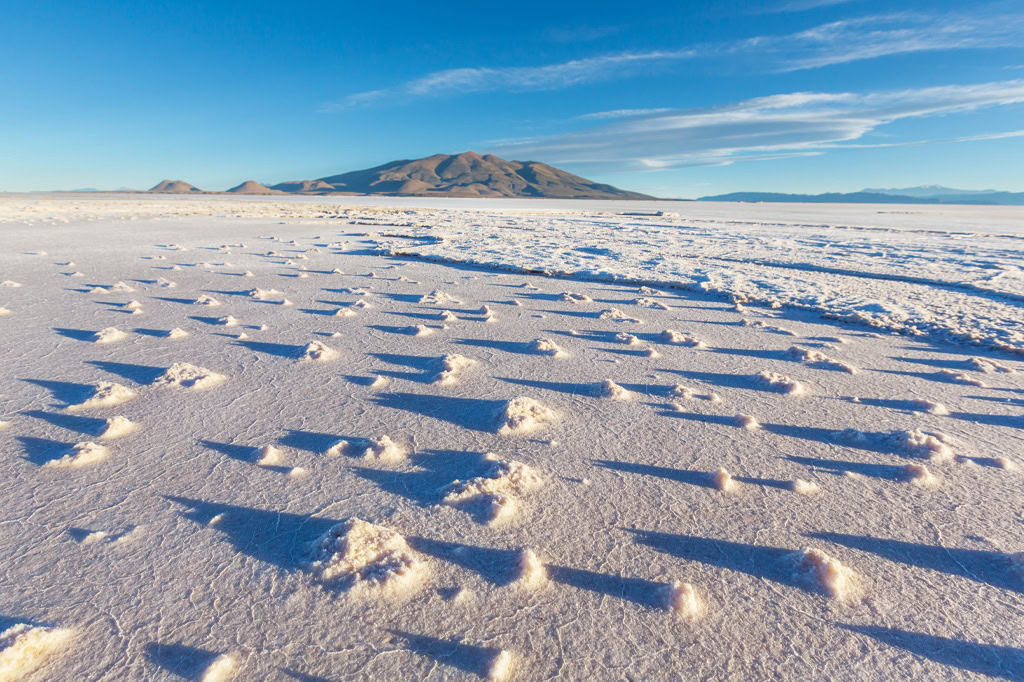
x=916, y=195
x=463, y=175
x=930, y=191
x=174, y=187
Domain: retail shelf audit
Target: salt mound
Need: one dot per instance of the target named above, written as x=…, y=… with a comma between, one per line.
x=617, y=316
x=206, y=300
x=344, y=311
x=681, y=598
x=934, y=445
x=264, y=294
x=4, y=311
x=109, y=335
x=383, y=449
x=722, y=480
x=960, y=378
x=132, y=305
x=80, y=455
x=117, y=427
x=104, y=394
x=10, y=283
x=919, y=475
x=814, y=357
x=532, y=573
x=610, y=389
x=681, y=339
x=188, y=376
x=438, y=297
x=644, y=302
x=419, y=330
x=451, y=366
x=23, y=648
x=628, y=339
x=222, y=668
x=747, y=422
x=684, y=392
x=228, y=321
x=447, y=316
x=361, y=305
x=990, y=366
x=121, y=287
x=367, y=559
x=824, y=572
x=769, y=327
x=523, y=415
x=574, y=298
x=802, y=487
x=547, y=347
x=165, y=283
x=268, y=455
x=317, y=352
x=500, y=668
x=498, y=488
x=930, y=407
x=177, y=333
x=780, y=383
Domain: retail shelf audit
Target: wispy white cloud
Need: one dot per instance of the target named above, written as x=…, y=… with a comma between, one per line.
x=851, y=40
x=800, y=6
x=787, y=124
x=836, y=42
x=990, y=136
x=621, y=113
x=517, y=78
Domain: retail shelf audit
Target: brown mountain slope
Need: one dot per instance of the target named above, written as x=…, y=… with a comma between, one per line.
x=174, y=187
x=253, y=187
x=465, y=175
x=303, y=186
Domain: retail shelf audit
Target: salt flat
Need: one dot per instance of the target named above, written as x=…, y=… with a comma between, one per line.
x=435, y=439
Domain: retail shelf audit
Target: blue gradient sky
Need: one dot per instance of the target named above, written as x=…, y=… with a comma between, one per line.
x=677, y=99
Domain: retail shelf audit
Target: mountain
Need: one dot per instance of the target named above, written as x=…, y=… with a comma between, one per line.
x=463, y=175
x=877, y=196
x=174, y=187
x=930, y=191
x=253, y=187
x=303, y=187
x=950, y=195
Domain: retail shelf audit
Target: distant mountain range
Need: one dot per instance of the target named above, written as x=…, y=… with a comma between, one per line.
x=447, y=175
x=925, y=194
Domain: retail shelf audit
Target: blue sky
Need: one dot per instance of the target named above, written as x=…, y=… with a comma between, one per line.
x=677, y=99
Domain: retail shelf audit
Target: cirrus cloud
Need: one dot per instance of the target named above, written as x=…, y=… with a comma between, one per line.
x=789, y=124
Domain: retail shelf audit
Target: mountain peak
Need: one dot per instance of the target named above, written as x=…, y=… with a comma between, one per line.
x=467, y=174
x=174, y=187
x=252, y=187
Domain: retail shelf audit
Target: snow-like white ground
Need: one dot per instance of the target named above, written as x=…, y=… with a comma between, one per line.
x=707, y=394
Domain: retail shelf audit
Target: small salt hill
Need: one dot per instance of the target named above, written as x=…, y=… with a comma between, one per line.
x=174, y=187
x=253, y=187
x=468, y=175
